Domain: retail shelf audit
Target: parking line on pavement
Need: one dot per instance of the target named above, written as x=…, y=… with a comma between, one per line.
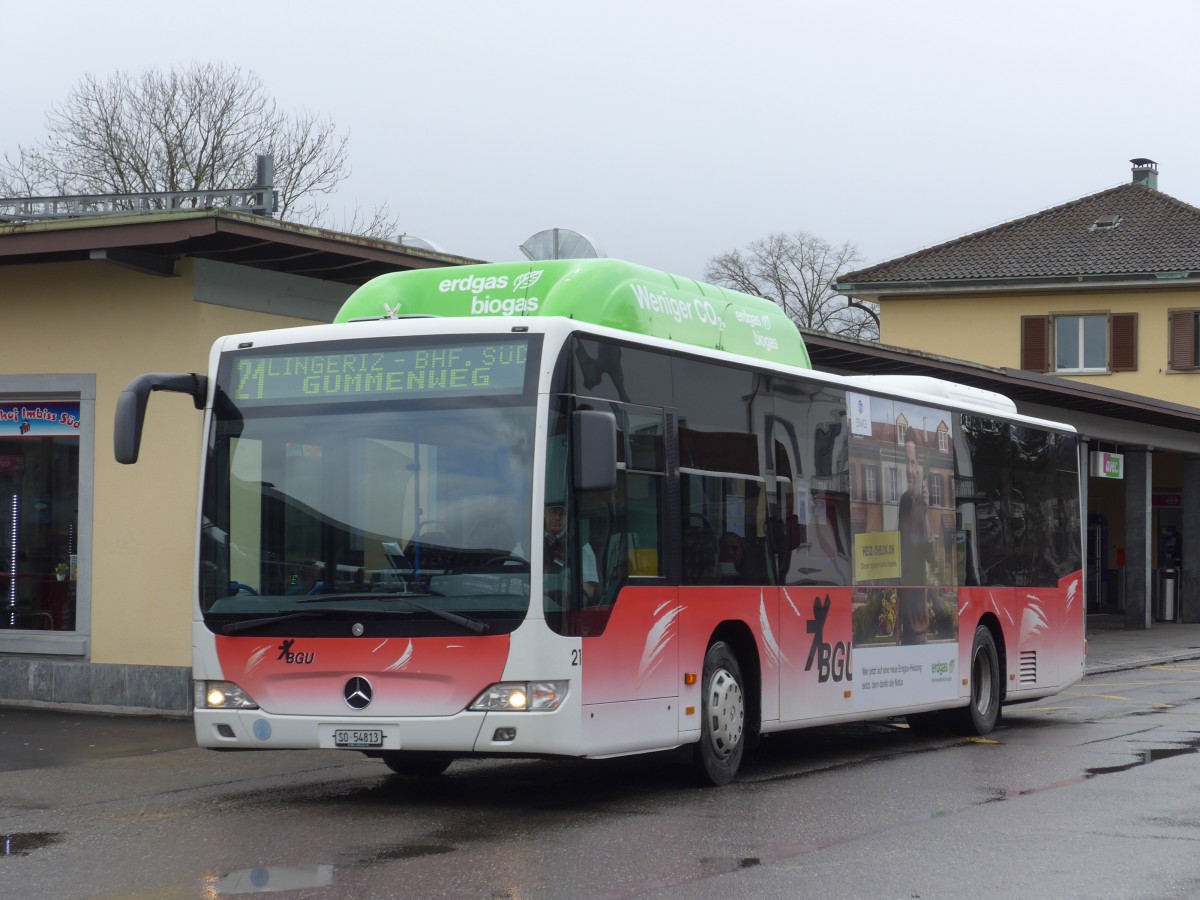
x=1101, y=696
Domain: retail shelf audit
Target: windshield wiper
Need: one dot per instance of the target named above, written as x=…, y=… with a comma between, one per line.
x=247, y=624
x=465, y=621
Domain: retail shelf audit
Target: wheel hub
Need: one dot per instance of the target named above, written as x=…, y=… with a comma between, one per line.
x=726, y=713
x=981, y=677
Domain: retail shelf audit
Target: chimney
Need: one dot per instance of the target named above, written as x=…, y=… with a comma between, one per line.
x=1145, y=172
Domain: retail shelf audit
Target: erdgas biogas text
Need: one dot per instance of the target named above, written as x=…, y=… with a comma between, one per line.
x=483, y=303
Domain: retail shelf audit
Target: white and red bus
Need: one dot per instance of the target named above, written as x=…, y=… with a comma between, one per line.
x=586, y=509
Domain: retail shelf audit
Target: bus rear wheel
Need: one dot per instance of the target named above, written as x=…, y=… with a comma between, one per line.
x=718, y=756
x=416, y=763
x=980, y=715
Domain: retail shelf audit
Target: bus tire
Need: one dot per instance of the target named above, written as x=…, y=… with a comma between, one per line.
x=980, y=715
x=416, y=763
x=718, y=756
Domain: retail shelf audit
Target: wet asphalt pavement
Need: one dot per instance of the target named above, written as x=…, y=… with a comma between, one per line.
x=46, y=738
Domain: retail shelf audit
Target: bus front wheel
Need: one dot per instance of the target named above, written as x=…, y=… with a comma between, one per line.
x=718, y=756
x=980, y=715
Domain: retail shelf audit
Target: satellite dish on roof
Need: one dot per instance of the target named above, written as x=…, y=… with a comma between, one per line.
x=411, y=240
x=560, y=243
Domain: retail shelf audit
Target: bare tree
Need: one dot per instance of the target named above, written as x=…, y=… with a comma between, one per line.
x=797, y=271
x=190, y=129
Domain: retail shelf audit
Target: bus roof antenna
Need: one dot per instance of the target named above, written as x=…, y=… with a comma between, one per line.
x=560, y=243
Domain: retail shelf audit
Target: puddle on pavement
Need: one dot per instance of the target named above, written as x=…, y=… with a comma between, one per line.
x=265, y=879
x=722, y=865
x=21, y=843
x=1145, y=757
x=1148, y=756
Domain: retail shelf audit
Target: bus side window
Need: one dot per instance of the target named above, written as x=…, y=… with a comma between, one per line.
x=722, y=413
x=700, y=547
x=644, y=455
x=622, y=527
x=811, y=419
x=643, y=533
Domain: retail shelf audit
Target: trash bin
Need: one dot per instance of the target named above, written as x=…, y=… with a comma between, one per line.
x=1167, y=580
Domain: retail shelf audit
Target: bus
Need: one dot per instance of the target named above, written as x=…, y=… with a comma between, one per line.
x=582, y=508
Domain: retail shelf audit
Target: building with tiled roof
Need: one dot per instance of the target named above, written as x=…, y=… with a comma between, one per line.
x=1103, y=292
x=1104, y=288
x=1127, y=234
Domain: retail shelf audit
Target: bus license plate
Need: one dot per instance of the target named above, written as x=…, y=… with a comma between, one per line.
x=371, y=737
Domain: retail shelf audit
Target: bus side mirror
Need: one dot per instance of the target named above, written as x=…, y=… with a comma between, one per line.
x=131, y=407
x=594, y=437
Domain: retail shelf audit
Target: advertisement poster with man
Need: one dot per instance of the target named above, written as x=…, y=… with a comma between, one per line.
x=902, y=512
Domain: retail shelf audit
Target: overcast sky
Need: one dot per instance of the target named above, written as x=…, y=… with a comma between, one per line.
x=671, y=131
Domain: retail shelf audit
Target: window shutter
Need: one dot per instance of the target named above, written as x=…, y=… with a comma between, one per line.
x=1181, y=352
x=1122, y=342
x=1035, y=343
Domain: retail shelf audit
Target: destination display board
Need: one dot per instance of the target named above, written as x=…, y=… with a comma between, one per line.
x=491, y=368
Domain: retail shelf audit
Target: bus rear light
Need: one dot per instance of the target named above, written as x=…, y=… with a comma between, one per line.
x=221, y=695
x=521, y=696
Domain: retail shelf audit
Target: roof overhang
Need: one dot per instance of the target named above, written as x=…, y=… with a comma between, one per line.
x=903, y=290
x=863, y=358
x=154, y=241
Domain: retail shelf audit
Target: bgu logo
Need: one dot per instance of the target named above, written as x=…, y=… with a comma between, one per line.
x=833, y=660
x=297, y=658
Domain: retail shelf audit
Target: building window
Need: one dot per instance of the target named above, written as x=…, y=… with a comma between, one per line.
x=870, y=485
x=935, y=490
x=901, y=431
x=1079, y=344
x=1183, y=340
x=943, y=441
x=891, y=485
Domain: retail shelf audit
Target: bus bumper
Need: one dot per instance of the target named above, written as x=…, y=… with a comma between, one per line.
x=467, y=733
x=253, y=729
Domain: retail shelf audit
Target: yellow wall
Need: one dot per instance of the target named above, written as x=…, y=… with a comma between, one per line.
x=97, y=318
x=986, y=329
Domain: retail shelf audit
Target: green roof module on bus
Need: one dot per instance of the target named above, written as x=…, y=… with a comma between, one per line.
x=605, y=292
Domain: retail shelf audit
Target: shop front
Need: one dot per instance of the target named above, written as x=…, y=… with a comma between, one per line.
x=39, y=513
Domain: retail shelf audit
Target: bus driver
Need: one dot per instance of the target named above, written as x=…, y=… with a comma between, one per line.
x=555, y=561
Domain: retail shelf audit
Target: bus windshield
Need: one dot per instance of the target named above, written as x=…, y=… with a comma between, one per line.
x=399, y=516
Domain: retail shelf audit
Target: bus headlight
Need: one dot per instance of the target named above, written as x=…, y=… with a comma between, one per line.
x=520, y=696
x=221, y=695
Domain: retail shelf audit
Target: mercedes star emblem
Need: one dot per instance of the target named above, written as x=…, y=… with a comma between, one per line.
x=357, y=692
